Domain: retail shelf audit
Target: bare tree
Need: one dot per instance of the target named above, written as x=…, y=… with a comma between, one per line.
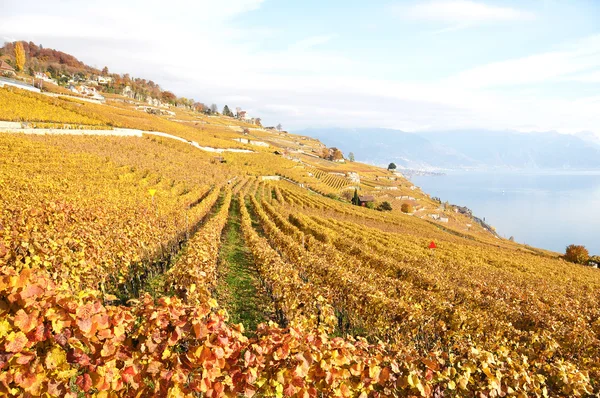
x=214, y=108
x=279, y=127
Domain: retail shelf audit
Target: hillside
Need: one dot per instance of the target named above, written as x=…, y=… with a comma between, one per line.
x=63, y=73
x=138, y=264
x=476, y=149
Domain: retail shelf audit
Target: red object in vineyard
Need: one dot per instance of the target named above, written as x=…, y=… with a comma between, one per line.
x=432, y=245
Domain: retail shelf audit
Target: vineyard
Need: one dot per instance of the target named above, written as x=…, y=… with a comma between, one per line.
x=111, y=256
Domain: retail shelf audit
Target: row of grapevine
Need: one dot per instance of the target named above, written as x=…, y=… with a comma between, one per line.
x=194, y=273
x=294, y=298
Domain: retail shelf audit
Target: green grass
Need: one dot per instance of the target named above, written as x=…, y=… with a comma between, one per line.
x=238, y=287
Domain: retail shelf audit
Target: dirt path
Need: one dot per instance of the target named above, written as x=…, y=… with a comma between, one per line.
x=15, y=128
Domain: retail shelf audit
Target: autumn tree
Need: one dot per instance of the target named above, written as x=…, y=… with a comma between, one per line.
x=577, y=254
x=406, y=208
x=168, y=96
x=336, y=154
x=19, y=56
x=105, y=71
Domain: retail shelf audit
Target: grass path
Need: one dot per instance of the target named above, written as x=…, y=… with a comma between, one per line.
x=238, y=287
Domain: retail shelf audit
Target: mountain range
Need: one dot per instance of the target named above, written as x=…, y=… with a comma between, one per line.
x=466, y=149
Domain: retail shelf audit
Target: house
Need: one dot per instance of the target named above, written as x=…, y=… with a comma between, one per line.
x=443, y=219
x=434, y=216
x=88, y=92
x=6, y=69
x=218, y=159
x=103, y=79
x=44, y=76
x=243, y=115
x=364, y=199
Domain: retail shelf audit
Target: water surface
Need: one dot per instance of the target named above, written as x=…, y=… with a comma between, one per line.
x=547, y=210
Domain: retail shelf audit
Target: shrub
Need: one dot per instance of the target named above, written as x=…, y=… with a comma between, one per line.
x=385, y=206
x=406, y=208
x=347, y=195
x=577, y=254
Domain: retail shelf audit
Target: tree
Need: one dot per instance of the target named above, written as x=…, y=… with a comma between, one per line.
x=279, y=127
x=355, y=199
x=406, y=208
x=392, y=166
x=105, y=71
x=257, y=121
x=168, y=96
x=214, y=108
x=577, y=254
x=351, y=156
x=347, y=195
x=19, y=57
x=237, y=111
x=336, y=154
x=385, y=206
x=226, y=111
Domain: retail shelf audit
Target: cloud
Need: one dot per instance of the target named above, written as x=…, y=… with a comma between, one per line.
x=311, y=42
x=460, y=14
x=579, y=61
x=214, y=53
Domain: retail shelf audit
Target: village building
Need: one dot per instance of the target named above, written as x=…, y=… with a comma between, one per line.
x=364, y=199
x=6, y=69
x=104, y=79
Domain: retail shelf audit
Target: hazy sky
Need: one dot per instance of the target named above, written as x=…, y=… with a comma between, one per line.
x=412, y=65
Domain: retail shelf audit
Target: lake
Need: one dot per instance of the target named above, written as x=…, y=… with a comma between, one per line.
x=546, y=210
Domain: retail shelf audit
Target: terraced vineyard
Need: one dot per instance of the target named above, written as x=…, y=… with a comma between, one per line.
x=111, y=252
